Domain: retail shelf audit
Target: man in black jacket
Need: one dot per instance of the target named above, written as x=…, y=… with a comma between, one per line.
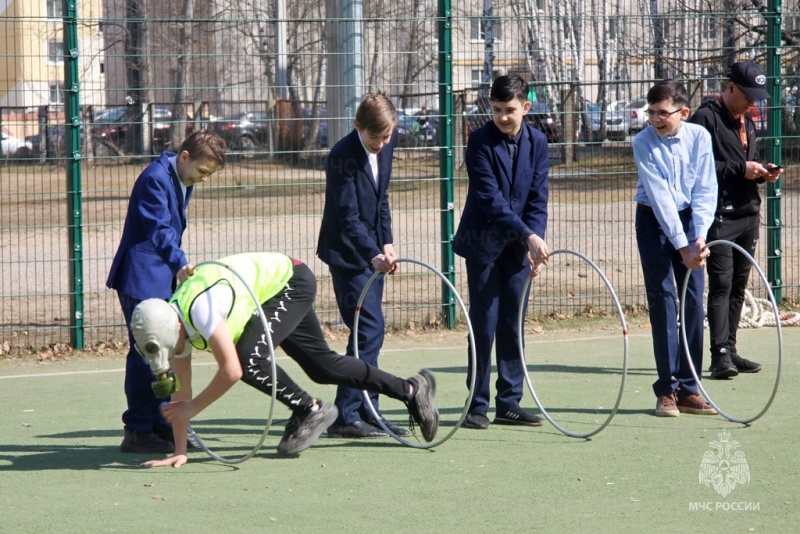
x=737, y=218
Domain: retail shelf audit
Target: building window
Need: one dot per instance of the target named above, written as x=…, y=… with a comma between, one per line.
x=713, y=81
x=56, y=93
x=476, y=76
x=615, y=27
x=478, y=30
x=55, y=9
x=708, y=29
x=55, y=51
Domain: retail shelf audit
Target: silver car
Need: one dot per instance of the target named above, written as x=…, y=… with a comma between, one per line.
x=616, y=122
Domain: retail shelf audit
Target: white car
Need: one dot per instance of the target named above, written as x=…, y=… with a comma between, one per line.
x=636, y=115
x=616, y=122
x=11, y=144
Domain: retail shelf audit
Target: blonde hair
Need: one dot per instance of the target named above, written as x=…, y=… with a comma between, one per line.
x=376, y=113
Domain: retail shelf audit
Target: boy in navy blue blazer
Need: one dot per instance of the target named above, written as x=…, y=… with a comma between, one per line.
x=355, y=240
x=501, y=237
x=148, y=263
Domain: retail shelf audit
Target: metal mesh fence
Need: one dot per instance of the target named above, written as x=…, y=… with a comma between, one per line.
x=279, y=81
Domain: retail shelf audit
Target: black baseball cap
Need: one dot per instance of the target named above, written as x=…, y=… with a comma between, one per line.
x=749, y=77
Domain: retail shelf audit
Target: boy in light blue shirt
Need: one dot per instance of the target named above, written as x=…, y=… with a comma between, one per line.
x=676, y=195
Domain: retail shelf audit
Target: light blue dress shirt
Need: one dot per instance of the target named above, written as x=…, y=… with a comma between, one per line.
x=675, y=173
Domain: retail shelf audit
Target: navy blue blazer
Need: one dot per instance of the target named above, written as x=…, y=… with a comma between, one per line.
x=149, y=254
x=503, y=207
x=356, y=221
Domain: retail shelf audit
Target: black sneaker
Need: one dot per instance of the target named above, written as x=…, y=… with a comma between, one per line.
x=304, y=428
x=145, y=443
x=421, y=407
x=517, y=416
x=396, y=430
x=721, y=366
x=743, y=365
x=476, y=420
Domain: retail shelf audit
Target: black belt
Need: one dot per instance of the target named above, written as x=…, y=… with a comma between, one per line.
x=644, y=207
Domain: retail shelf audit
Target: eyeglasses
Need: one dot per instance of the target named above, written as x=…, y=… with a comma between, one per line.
x=746, y=96
x=663, y=115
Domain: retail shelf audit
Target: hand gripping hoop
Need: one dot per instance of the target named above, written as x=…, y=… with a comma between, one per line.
x=777, y=326
x=472, y=357
x=273, y=370
x=521, y=345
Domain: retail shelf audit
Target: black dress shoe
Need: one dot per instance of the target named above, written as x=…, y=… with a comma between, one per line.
x=145, y=443
x=166, y=434
x=396, y=430
x=476, y=420
x=357, y=429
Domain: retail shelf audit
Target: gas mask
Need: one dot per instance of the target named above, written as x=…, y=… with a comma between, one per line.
x=156, y=328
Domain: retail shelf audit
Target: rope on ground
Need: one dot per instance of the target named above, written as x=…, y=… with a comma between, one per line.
x=758, y=312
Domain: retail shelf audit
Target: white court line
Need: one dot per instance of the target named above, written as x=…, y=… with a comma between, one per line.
x=98, y=371
x=410, y=349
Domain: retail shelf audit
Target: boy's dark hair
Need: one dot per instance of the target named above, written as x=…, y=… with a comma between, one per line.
x=203, y=144
x=508, y=87
x=376, y=113
x=666, y=89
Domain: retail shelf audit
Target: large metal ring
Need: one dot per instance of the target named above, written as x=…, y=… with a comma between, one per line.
x=472, y=357
x=523, y=301
x=775, y=310
x=273, y=370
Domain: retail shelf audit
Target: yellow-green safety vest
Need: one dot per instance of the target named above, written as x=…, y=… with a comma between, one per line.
x=266, y=273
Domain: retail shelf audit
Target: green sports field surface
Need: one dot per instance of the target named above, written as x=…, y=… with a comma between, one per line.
x=61, y=471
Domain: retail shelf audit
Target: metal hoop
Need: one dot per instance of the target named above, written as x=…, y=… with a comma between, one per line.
x=472, y=357
x=521, y=346
x=775, y=310
x=274, y=370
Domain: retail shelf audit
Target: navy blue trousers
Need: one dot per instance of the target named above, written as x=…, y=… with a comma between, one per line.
x=142, y=414
x=348, y=285
x=494, y=294
x=664, y=273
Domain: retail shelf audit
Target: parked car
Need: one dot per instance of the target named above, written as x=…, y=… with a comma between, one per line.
x=54, y=142
x=322, y=133
x=428, y=134
x=14, y=146
x=245, y=130
x=616, y=122
x=161, y=128
x=407, y=131
x=636, y=115
x=113, y=124
x=618, y=105
x=542, y=118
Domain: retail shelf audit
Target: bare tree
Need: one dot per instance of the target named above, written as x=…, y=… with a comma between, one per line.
x=184, y=29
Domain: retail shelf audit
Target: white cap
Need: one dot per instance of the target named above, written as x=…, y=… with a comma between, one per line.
x=155, y=328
